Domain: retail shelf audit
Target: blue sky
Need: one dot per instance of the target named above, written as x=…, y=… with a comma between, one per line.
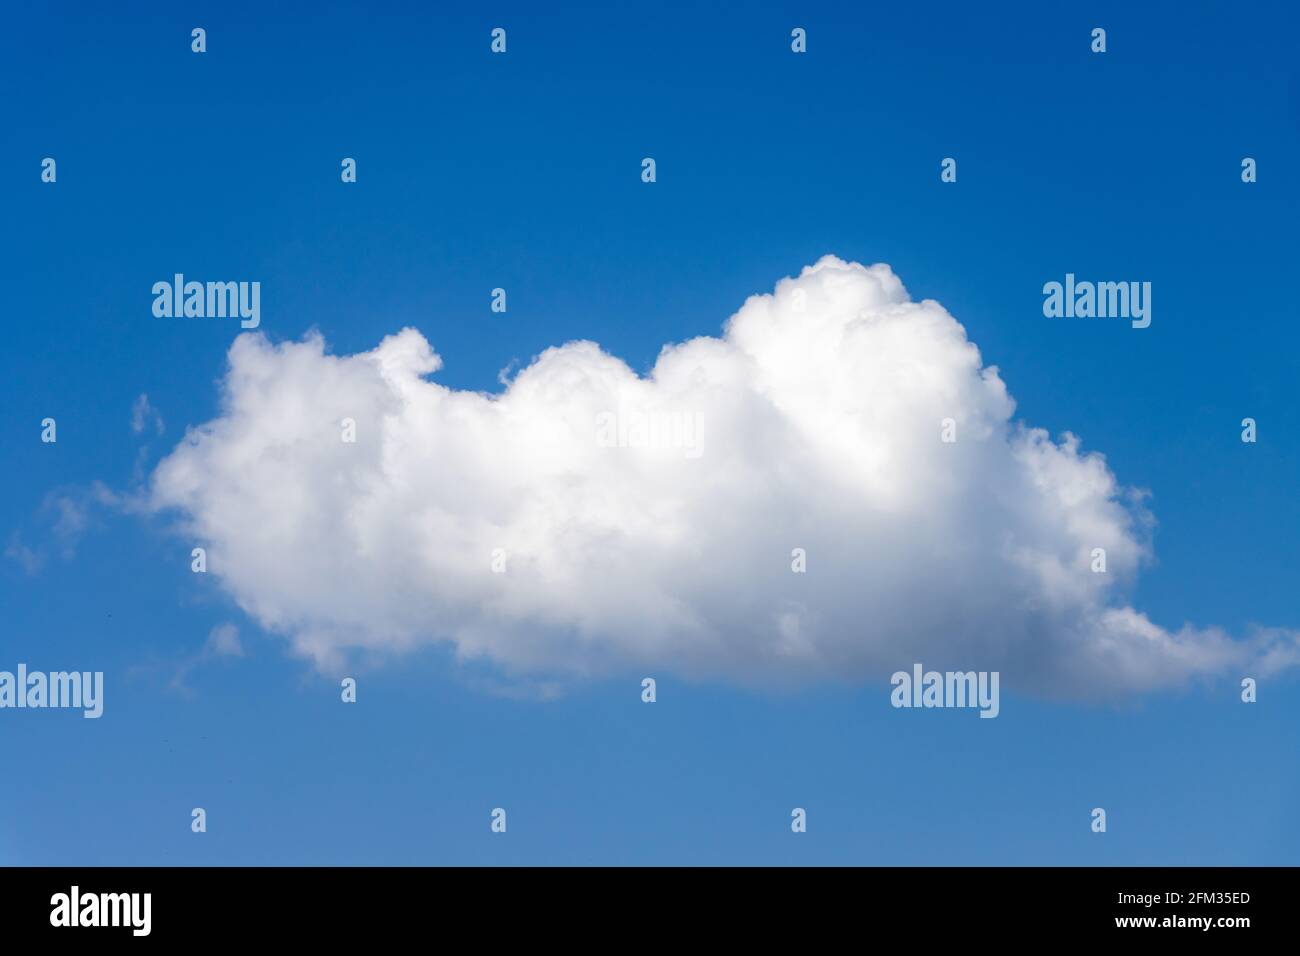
x=522, y=171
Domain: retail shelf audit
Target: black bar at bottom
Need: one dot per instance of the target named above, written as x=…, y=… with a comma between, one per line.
x=658, y=906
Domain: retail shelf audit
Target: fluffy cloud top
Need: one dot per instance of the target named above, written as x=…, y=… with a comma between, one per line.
x=648, y=523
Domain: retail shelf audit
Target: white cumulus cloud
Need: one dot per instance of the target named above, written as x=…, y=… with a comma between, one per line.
x=649, y=522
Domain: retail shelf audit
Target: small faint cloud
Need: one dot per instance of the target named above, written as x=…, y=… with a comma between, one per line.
x=144, y=416
x=71, y=511
x=64, y=516
x=144, y=419
x=17, y=551
x=503, y=376
x=70, y=517
x=223, y=642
